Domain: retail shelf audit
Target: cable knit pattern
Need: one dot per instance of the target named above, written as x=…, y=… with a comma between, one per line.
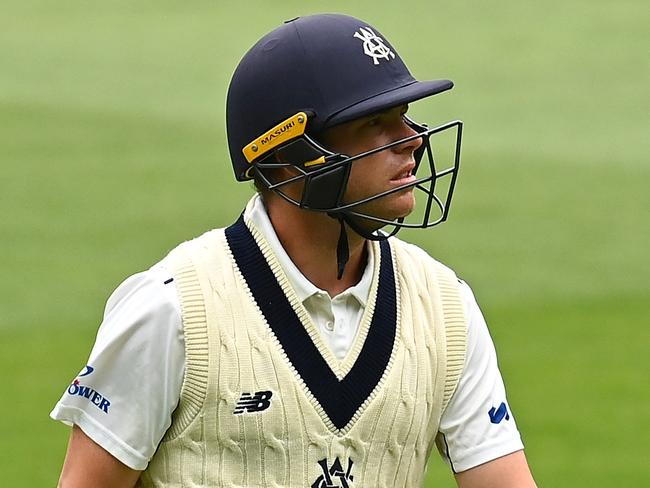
x=231, y=350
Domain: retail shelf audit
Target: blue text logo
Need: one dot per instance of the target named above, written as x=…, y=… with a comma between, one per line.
x=97, y=399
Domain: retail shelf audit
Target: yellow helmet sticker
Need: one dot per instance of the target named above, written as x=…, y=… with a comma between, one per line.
x=285, y=131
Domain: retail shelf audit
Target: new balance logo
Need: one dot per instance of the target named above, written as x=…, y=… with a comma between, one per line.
x=498, y=414
x=251, y=403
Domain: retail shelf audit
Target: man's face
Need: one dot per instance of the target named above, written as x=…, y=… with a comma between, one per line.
x=383, y=170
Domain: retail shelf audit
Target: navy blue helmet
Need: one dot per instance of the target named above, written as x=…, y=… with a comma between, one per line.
x=313, y=73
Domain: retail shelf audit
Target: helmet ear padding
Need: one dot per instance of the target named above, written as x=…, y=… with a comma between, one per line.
x=298, y=152
x=324, y=191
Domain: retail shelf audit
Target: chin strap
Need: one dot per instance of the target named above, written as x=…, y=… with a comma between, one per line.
x=375, y=235
x=342, y=249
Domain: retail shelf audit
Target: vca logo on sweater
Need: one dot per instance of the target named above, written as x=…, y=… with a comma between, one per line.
x=96, y=398
x=334, y=476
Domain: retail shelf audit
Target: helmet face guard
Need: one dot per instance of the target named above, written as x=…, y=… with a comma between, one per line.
x=324, y=175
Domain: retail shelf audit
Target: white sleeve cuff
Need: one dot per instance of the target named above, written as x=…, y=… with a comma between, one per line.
x=488, y=451
x=93, y=429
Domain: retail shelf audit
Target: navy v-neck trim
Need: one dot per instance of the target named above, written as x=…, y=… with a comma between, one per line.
x=339, y=399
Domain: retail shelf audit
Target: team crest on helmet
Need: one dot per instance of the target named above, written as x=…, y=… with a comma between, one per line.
x=373, y=45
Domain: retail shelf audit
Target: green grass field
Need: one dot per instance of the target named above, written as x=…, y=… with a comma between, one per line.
x=112, y=150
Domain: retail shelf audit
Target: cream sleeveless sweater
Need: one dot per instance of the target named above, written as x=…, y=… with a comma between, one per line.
x=264, y=402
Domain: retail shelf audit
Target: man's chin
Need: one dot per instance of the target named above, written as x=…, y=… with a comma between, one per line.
x=370, y=226
x=405, y=206
x=389, y=209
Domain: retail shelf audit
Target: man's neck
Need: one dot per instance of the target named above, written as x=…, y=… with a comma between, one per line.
x=310, y=239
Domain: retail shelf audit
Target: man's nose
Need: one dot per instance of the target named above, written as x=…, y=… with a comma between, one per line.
x=404, y=132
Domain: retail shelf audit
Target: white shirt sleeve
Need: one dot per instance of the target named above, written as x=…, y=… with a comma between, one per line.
x=477, y=426
x=123, y=399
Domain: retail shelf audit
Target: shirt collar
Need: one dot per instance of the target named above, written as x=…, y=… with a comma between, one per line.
x=256, y=213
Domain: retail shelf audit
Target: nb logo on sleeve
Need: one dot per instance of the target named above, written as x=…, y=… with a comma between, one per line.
x=251, y=403
x=498, y=414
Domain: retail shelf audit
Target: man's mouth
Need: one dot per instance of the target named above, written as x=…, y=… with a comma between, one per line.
x=404, y=177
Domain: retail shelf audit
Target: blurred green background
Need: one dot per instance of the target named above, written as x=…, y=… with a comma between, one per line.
x=112, y=150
